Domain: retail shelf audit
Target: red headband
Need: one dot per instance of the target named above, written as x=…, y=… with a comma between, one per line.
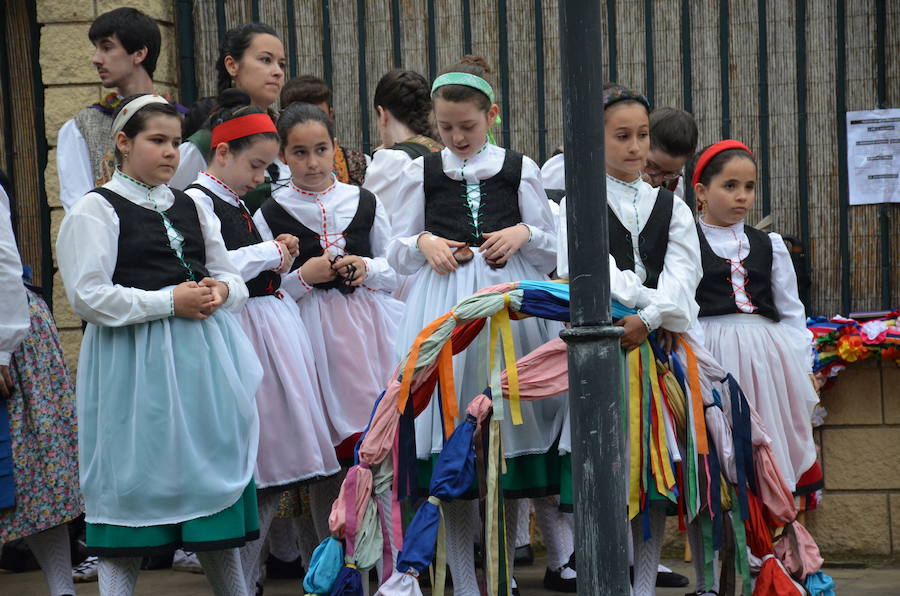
x=242, y=126
x=713, y=151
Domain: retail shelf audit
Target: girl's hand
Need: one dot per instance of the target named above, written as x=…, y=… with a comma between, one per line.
x=292, y=243
x=439, y=252
x=6, y=382
x=342, y=268
x=503, y=244
x=317, y=270
x=219, y=292
x=636, y=332
x=193, y=301
x=286, y=259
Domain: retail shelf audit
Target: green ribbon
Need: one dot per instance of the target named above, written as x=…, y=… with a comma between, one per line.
x=475, y=82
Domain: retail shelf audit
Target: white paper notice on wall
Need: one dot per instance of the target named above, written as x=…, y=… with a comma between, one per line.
x=873, y=156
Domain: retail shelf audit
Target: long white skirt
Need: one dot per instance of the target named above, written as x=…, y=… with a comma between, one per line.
x=768, y=359
x=294, y=441
x=431, y=295
x=352, y=336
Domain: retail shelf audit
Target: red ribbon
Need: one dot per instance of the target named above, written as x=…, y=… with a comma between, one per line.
x=240, y=127
x=713, y=151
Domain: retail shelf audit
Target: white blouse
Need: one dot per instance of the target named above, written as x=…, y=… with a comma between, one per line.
x=190, y=163
x=251, y=260
x=73, y=165
x=328, y=213
x=731, y=243
x=87, y=251
x=553, y=172
x=671, y=305
x=383, y=176
x=408, y=219
x=15, y=319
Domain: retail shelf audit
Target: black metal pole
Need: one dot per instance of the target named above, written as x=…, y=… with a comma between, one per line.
x=598, y=465
x=184, y=25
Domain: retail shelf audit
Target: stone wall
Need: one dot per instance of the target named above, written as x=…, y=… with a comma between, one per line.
x=71, y=84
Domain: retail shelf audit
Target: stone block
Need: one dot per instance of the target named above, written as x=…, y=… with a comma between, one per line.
x=62, y=310
x=890, y=383
x=166, y=66
x=62, y=103
x=161, y=10
x=861, y=458
x=851, y=524
x=895, y=523
x=66, y=54
x=51, y=180
x=54, y=11
x=71, y=345
x=856, y=397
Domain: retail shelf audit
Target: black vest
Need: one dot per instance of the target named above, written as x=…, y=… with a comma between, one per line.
x=653, y=240
x=447, y=213
x=715, y=294
x=238, y=231
x=356, y=234
x=145, y=260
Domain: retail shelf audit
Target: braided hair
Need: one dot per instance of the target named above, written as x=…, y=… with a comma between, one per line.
x=407, y=96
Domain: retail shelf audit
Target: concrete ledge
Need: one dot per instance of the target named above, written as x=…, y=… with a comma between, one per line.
x=851, y=523
x=54, y=11
x=861, y=458
x=856, y=397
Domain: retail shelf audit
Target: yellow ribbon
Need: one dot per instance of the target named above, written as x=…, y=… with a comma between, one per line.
x=492, y=505
x=634, y=432
x=439, y=568
x=500, y=327
x=665, y=480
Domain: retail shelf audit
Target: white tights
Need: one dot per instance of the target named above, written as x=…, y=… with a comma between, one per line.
x=222, y=567
x=51, y=549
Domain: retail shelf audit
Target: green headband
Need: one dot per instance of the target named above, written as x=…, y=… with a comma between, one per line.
x=468, y=80
x=464, y=78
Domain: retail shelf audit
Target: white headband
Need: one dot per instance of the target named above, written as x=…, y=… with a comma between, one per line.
x=132, y=108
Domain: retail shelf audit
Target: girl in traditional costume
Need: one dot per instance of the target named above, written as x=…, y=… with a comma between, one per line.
x=168, y=428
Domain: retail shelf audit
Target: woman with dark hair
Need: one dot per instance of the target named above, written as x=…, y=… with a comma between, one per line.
x=251, y=58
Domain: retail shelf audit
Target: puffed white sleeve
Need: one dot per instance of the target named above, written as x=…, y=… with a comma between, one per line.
x=383, y=176
x=191, y=161
x=784, y=288
x=553, y=172
x=15, y=319
x=673, y=305
x=624, y=286
x=380, y=275
x=87, y=250
x=408, y=221
x=291, y=282
x=251, y=260
x=540, y=250
x=73, y=165
x=218, y=263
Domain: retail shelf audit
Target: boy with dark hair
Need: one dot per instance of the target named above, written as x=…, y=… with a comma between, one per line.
x=127, y=45
x=349, y=164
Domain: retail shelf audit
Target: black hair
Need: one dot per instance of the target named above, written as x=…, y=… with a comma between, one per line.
x=673, y=131
x=300, y=113
x=715, y=165
x=407, y=95
x=197, y=116
x=138, y=121
x=231, y=104
x=235, y=43
x=306, y=89
x=475, y=65
x=133, y=29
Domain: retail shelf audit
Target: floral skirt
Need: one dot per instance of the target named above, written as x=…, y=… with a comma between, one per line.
x=43, y=432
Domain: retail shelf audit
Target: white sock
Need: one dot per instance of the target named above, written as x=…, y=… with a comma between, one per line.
x=51, y=549
x=558, y=536
x=646, y=553
x=458, y=517
x=523, y=533
x=118, y=575
x=224, y=572
x=267, y=504
x=322, y=496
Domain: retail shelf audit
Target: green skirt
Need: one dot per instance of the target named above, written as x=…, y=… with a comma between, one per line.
x=229, y=528
x=527, y=476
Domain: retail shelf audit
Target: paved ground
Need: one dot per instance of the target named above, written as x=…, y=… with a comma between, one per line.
x=877, y=580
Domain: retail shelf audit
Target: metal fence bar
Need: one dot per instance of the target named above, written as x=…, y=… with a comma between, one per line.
x=292, y=38
x=539, y=80
x=648, y=51
x=687, y=79
x=723, y=68
x=763, y=149
x=327, y=68
x=7, y=103
x=612, y=56
x=802, y=141
x=503, y=51
x=432, y=40
x=361, y=67
x=467, y=26
x=254, y=11
x=840, y=24
x=221, y=27
x=884, y=223
x=397, y=34
x=184, y=26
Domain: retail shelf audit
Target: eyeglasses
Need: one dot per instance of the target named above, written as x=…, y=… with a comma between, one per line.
x=654, y=172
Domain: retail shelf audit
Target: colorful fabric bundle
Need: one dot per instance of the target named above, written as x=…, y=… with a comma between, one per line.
x=839, y=342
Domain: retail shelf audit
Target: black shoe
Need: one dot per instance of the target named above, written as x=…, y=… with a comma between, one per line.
x=670, y=579
x=554, y=581
x=524, y=556
x=278, y=569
